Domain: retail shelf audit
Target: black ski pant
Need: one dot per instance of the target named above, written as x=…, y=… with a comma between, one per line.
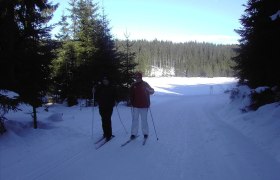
x=106, y=113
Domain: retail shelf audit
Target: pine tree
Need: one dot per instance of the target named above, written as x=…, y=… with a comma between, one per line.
x=128, y=63
x=30, y=49
x=9, y=38
x=257, y=54
x=127, y=67
x=64, y=33
x=6, y=104
x=65, y=72
x=94, y=52
x=73, y=68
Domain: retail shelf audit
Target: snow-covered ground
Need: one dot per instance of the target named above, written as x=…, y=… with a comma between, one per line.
x=202, y=136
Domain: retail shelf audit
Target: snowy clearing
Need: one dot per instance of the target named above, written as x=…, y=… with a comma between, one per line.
x=202, y=136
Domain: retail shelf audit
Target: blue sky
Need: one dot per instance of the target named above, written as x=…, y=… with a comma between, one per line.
x=173, y=20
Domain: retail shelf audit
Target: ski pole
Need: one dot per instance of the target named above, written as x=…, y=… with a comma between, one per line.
x=93, y=91
x=121, y=119
x=92, y=121
x=153, y=122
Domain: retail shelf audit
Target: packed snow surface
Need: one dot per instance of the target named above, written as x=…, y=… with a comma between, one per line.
x=202, y=135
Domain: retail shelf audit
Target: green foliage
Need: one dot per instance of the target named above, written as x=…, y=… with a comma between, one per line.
x=65, y=71
x=87, y=53
x=190, y=59
x=26, y=49
x=127, y=68
x=261, y=98
x=258, y=54
x=6, y=104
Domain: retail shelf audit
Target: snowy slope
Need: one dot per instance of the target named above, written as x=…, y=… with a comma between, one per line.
x=202, y=136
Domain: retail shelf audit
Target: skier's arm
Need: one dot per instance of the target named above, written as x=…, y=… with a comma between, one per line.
x=149, y=89
x=97, y=93
x=131, y=94
x=115, y=96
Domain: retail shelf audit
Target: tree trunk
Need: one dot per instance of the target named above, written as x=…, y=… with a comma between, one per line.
x=34, y=117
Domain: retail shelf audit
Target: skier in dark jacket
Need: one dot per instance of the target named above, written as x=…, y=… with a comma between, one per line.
x=105, y=96
x=140, y=92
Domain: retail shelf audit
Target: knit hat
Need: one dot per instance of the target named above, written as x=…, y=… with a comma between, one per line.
x=138, y=74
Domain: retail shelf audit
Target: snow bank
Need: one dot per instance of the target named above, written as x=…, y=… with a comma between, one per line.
x=55, y=117
x=262, y=125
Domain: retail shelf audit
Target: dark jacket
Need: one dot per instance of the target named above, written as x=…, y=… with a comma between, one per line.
x=140, y=94
x=105, y=96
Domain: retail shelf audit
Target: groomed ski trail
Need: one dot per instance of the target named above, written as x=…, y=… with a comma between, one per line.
x=203, y=147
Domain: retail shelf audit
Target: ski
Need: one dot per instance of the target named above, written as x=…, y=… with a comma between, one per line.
x=99, y=140
x=144, y=141
x=128, y=141
x=103, y=142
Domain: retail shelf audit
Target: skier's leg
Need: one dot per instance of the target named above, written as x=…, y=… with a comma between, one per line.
x=135, y=121
x=107, y=122
x=144, y=121
x=101, y=112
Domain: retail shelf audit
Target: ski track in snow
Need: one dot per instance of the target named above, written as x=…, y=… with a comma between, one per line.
x=194, y=143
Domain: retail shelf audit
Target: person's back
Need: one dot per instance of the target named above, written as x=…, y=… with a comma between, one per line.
x=140, y=96
x=140, y=100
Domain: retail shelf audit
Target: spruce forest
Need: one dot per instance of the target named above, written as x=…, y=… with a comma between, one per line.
x=189, y=59
x=39, y=66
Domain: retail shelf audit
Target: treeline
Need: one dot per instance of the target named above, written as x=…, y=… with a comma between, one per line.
x=35, y=65
x=189, y=59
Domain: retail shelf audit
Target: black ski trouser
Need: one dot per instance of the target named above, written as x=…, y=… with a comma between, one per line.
x=106, y=113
